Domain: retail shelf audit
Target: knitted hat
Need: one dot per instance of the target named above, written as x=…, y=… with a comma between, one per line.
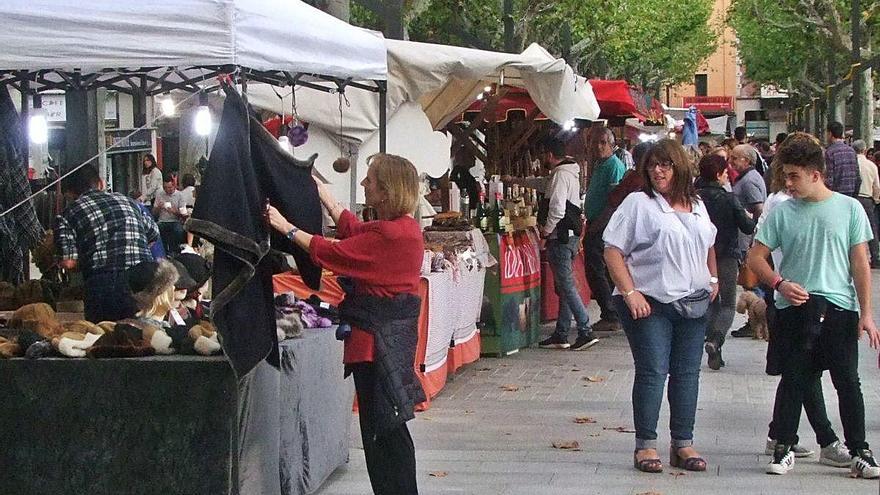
x=149, y=279
x=196, y=266
x=184, y=280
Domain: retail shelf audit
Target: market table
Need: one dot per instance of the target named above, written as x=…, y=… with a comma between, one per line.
x=175, y=424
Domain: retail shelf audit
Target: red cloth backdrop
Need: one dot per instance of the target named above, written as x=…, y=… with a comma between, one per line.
x=515, y=100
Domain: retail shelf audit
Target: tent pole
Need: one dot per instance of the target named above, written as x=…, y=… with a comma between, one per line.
x=383, y=116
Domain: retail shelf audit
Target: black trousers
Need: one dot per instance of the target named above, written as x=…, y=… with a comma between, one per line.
x=597, y=275
x=172, y=235
x=391, y=456
x=107, y=297
x=836, y=349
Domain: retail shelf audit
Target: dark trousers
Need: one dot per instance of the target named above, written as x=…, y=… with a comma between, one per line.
x=723, y=308
x=873, y=244
x=837, y=350
x=391, y=456
x=107, y=297
x=172, y=235
x=597, y=275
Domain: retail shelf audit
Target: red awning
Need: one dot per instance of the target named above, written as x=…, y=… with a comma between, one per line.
x=617, y=98
x=515, y=100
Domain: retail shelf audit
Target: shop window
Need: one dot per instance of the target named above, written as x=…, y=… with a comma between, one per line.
x=701, y=85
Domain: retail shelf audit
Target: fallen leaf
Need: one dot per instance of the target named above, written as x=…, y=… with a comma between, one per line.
x=584, y=420
x=594, y=379
x=508, y=434
x=485, y=369
x=509, y=388
x=468, y=412
x=619, y=429
x=649, y=493
x=438, y=474
x=678, y=473
x=575, y=369
x=593, y=435
x=567, y=445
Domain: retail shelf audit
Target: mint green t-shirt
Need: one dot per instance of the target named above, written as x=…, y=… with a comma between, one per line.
x=607, y=174
x=815, y=239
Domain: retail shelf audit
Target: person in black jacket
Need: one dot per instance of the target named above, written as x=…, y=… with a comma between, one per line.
x=729, y=217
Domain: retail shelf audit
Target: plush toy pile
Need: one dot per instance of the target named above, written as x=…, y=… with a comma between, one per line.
x=170, y=320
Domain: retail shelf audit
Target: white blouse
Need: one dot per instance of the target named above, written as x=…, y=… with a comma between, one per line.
x=665, y=250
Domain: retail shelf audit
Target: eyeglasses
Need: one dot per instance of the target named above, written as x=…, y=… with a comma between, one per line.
x=661, y=165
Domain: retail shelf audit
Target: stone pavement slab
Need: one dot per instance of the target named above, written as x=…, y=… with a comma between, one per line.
x=490, y=439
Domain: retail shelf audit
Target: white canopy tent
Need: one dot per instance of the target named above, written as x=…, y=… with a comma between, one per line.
x=189, y=36
x=443, y=81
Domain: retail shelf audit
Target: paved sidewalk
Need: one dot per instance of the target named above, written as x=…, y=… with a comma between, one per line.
x=490, y=431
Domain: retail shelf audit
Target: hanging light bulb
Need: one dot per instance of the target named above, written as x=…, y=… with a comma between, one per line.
x=203, y=122
x=480, y=96
x=168, y=107
x=487, y=89
x=38, y=124
x=284, y=142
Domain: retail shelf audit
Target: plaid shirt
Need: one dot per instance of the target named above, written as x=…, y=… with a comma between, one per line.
x=105, y=232
x=842, y=169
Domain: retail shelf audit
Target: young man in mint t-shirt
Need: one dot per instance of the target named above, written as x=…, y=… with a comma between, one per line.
x=823, y=295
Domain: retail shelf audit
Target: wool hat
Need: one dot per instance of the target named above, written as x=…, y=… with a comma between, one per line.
x=149, y=279
x=184, y=280
x=196, y=266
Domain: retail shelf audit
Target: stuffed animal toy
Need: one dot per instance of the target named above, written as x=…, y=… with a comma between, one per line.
x=9, y=348
x=152, y=288
x=749, y=303
x=77, y=338
x=38, y=318
x=179, y=314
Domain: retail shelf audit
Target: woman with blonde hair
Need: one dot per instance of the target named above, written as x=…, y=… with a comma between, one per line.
x=659, y=246
x=384, y=259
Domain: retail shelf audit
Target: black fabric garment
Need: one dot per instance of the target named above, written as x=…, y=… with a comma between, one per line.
x=728, y=216
x=570, y=222
x=19, y=229
x=394, y=323
x=391, y=457
x=246, y=169
x=107, y=297
x=835, y=348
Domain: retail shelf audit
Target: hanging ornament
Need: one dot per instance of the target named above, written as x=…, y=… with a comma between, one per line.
x=298, y=132
x=342, y=164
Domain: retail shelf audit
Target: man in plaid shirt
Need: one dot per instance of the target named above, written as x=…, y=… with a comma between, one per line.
x=841, y=164
x=102, y=234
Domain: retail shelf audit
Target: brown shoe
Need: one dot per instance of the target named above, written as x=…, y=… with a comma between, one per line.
x=607, y=326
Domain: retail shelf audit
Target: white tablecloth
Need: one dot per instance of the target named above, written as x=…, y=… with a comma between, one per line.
x=454, y=302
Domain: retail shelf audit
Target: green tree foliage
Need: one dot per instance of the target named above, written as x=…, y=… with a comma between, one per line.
x=649, y=42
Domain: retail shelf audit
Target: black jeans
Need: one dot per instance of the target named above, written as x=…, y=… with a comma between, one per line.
x=597, y=275
x=107, y=297
x=837, y=350
x=723, y=308
x=172, y=235
x=391, y=457
x=871, y=210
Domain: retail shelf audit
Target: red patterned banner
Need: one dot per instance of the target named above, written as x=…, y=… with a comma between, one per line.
x=520, y=261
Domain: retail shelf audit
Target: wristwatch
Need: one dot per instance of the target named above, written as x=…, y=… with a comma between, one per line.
x=291, y=233
x=713, y=280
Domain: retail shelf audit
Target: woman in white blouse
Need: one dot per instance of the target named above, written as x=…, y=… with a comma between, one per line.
x=660, y=254
x=151, y=179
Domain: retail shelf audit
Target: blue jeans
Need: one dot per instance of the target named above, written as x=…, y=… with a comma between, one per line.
x=664, y=344
x=561, y=256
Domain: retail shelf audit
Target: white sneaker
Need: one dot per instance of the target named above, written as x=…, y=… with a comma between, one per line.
x=783, y=462
x=835, y=455
x=864, y=465
x=799, y=450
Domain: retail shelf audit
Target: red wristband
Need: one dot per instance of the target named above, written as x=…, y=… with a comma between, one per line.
x=777, y=283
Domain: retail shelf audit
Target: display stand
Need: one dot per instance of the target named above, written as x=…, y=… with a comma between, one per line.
x=511, y=318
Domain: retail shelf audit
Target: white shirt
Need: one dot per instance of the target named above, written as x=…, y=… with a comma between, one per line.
x=664, y=250
x=188, y=194
x=870, y=183
x=773, y=201
x=565, y=185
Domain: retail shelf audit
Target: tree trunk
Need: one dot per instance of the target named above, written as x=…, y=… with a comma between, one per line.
x=865, y=127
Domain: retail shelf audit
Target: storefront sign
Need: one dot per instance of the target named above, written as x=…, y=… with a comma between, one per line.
x=520, y=262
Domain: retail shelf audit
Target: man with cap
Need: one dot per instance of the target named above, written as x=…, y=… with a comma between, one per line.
x=102, y=234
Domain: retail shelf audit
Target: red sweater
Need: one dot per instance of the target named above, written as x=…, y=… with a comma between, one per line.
x=383, y=257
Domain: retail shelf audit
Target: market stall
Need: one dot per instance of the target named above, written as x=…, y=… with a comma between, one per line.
x=189, y=47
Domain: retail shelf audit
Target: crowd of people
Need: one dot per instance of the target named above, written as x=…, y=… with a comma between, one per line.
x=669, y=240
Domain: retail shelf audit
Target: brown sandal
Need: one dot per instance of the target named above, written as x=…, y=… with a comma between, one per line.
x=654, y=465
x=695, y=463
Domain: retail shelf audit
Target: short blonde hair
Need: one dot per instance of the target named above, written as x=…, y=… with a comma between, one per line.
x=398, y=177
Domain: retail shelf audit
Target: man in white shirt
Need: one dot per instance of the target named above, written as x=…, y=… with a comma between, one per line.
x=869, y=196
x=168, y=208
x=562, y=229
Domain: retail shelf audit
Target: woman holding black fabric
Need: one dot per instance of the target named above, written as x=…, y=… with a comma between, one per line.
x=384, y=259
x=729, y=218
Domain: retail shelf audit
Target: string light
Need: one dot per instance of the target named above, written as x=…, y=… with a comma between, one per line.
x=38, y=124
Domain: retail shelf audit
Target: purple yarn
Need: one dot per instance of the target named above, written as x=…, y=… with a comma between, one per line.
x=298, y=135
